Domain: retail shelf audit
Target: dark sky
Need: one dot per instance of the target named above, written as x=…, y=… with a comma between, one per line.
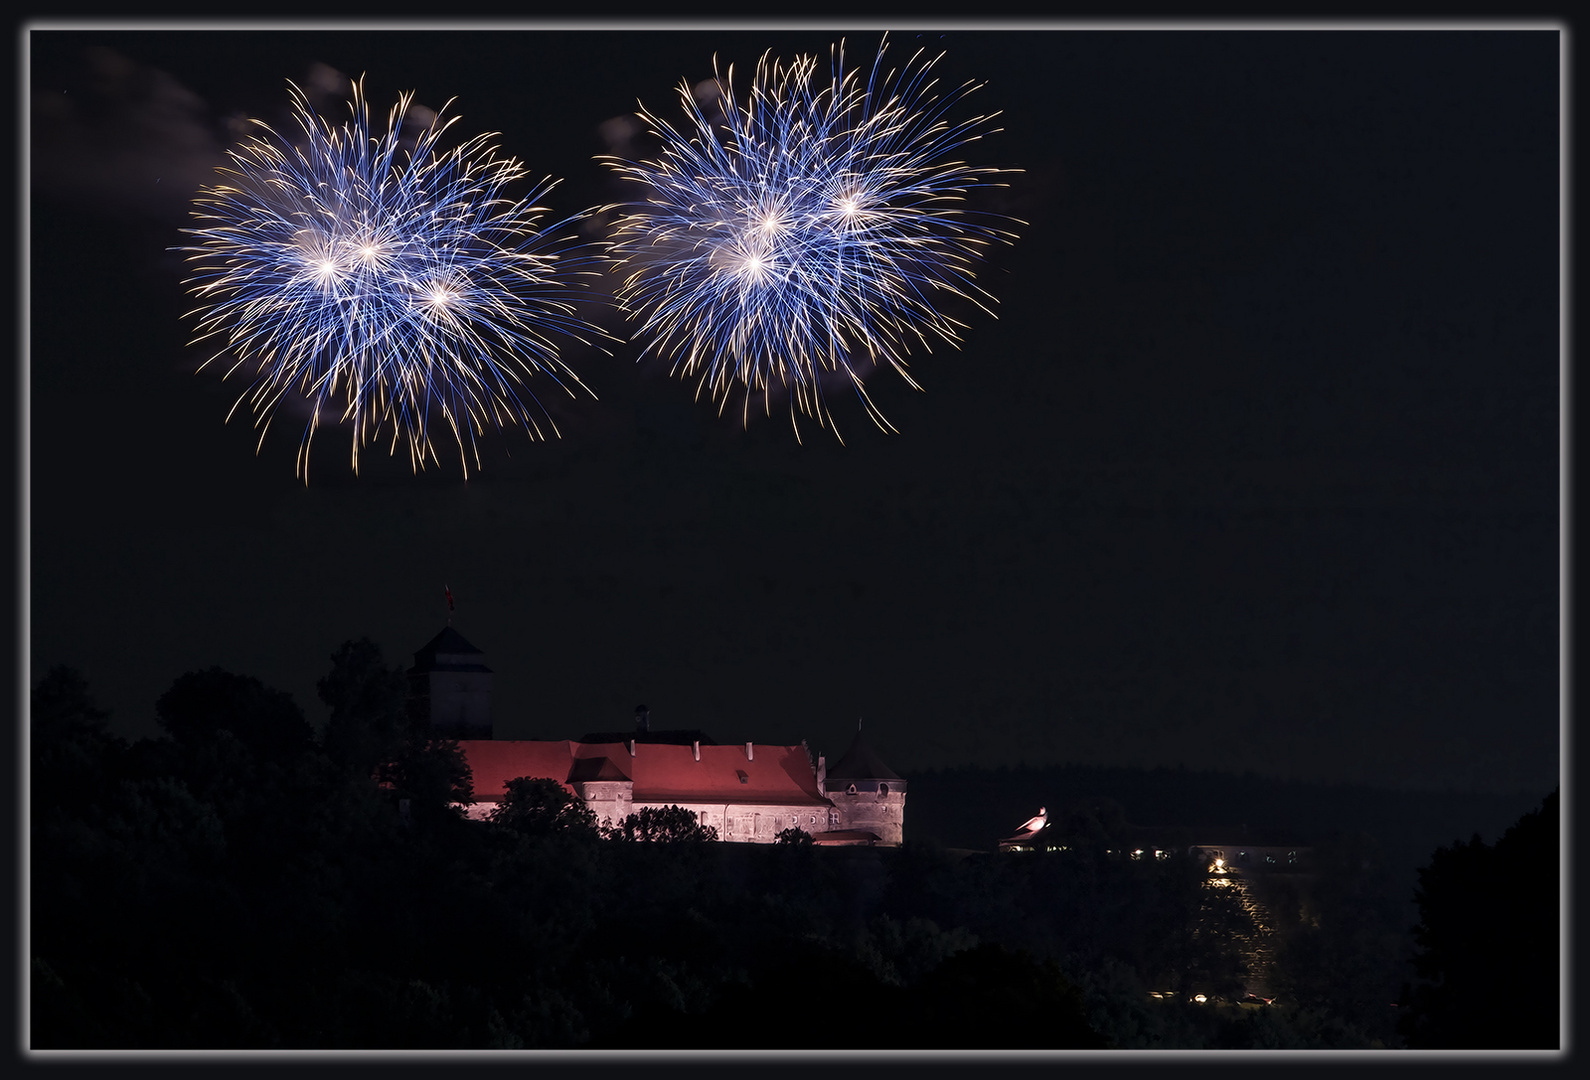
x=1257, y=468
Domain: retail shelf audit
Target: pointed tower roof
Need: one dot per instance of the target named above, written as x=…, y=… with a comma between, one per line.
x=601, y=768
x=448, y=651
x=861, y=762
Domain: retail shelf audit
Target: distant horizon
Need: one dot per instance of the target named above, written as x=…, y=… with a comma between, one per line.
x=119, y=727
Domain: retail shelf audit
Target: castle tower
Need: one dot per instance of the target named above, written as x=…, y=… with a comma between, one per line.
x=867, y=793
x=452, y=688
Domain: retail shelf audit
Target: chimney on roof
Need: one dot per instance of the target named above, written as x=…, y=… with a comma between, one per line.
x=642, y=718
x=632, y=748
x=750, y=751
x=696, y=746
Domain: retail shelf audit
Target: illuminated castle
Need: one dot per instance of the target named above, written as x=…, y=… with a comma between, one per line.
x=749, y=792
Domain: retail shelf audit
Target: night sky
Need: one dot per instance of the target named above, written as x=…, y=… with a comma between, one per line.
x=1257, y=468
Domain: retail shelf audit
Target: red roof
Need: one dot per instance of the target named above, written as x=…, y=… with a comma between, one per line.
x=494, y=762
x=778, y=775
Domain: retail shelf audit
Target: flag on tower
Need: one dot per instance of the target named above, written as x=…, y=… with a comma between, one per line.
x=449, y=593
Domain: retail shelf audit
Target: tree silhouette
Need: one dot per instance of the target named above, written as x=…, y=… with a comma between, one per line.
x=1488, y=942
x=1340, y=946
x=664, y=824
x=433, y=776
x=989, y=996
x=73, y=751
x=375, y=730
x=369, y=720
x=537, y=806
x=202, y=704
x=1095, y=822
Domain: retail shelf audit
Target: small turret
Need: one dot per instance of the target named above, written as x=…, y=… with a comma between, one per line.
x=868, y=794
x=452, y=687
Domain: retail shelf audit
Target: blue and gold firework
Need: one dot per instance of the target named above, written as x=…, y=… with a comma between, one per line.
x=807, y=232
x=391, y=284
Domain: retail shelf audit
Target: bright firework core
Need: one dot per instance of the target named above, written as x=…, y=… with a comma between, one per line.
x=391, y=287
x=804, y=231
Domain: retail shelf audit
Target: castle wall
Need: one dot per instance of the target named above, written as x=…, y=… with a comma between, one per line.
x=610, y=800
x=879, y=812
x=746, y=823
x=755, y=823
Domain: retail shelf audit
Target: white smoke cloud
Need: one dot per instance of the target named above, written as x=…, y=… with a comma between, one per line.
x=127, y=137
x=122, y=137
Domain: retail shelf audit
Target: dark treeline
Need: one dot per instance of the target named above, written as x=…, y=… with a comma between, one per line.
x=1489, y=958
x=247, y=881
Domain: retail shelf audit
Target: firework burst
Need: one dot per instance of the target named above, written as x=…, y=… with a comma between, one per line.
x=805, y=234
x=391, y=284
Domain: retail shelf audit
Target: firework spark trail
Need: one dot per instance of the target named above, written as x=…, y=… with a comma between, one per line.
x=805, y=232
x=387, y=281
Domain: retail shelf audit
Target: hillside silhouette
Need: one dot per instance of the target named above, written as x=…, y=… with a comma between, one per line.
x=245, y=881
